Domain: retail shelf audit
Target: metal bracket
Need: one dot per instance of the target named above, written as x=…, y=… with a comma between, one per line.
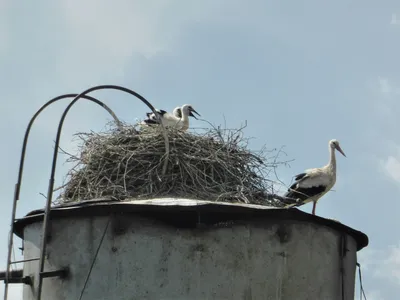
x=15, y=276
x=62, y=273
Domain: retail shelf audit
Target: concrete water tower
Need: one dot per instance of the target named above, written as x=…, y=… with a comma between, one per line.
x=190, y=249
x=178, y=249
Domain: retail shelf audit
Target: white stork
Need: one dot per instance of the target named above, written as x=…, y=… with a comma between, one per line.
x=177, y=112
x=179, y=118
x=311, y=185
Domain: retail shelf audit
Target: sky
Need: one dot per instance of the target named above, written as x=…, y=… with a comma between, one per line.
x=300, y=73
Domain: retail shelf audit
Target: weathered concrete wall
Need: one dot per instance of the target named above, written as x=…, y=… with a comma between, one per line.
x=146, y=259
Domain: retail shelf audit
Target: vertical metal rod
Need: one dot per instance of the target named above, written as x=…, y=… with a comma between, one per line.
x=343, y=250
x=54, y=164
x=21, y=169
x=10, y=240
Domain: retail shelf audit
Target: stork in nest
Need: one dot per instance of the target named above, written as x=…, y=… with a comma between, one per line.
x=178, y=119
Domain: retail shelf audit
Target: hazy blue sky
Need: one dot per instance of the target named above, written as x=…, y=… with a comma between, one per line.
x=300, y=72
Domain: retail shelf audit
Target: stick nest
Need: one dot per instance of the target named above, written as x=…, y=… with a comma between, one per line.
x=212, y=165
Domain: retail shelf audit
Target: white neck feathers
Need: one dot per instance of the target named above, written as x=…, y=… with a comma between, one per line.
x=332, y=159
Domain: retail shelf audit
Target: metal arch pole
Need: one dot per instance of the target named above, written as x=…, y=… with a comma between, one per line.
x=21, y=169
x=54, y=164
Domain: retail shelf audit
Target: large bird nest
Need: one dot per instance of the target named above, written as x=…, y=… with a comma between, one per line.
x=212, y=165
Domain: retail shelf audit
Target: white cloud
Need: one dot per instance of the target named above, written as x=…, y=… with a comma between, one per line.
x=380, y=268
x=391, y=166
x=383, y=102
x=115, y=29
x=384, y=85
x=384, y=263
x=388, y=87
x=102, y=37
x=394, y=20
x=391, y=265
x=366, y=258
x=385, y=108
x=374, y=295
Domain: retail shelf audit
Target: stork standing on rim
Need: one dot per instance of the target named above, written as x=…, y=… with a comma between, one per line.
x=312, y=184
x=179, y=117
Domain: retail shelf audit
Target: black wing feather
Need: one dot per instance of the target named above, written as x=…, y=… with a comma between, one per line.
x=160, y=111
x=150, y=121
x=304, y=193
x=299, y=176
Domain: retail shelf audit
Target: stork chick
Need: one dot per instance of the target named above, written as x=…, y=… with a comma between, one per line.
x=179, y=118
x=312, y=184
x=177, y=112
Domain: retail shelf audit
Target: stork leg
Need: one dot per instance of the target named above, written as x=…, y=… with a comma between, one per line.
x=314, y=206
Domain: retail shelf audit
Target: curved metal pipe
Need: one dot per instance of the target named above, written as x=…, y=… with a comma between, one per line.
x=21, y=169
x=54, y=164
